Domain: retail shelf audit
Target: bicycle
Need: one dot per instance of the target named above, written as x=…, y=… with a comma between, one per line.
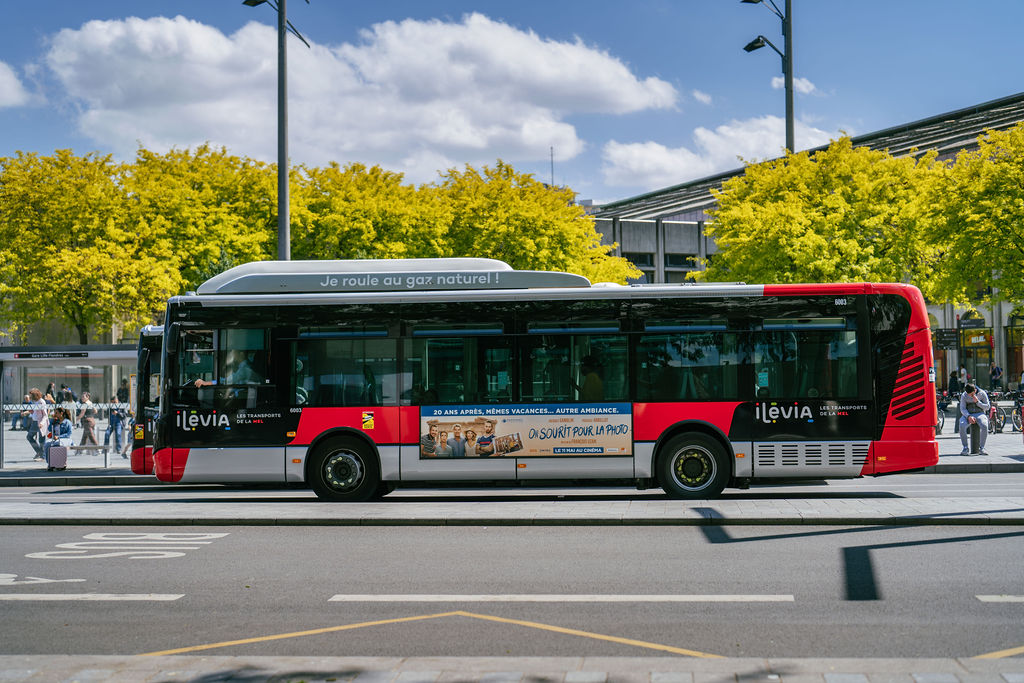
x=997, y=418
x=1017, y=413
x=942, y=401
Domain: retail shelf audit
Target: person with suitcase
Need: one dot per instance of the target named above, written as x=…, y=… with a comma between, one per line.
x=60, y=438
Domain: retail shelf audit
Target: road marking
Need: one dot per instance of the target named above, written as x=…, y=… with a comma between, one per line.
x=541, y=597
x=458, y=613
x=13, y=580
x=999, y=654
x=594, y=636
x=295, y=634
x=92, y=597
x=1000, y=598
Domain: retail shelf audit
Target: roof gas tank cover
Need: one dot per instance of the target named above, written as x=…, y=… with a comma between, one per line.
x=381, y=275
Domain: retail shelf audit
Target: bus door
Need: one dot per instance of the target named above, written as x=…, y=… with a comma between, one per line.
x=226, y=423
x=459, y=376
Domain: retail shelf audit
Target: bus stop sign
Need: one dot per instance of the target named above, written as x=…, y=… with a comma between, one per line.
x=945, y=339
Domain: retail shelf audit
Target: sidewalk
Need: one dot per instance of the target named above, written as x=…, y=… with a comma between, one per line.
x=507, y=669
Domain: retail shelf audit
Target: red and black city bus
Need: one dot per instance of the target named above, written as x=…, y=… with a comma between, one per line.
x=355, y=376
x=147, y=397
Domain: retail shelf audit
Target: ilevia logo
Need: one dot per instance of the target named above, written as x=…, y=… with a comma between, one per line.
x=192, y=420
x=773, y=412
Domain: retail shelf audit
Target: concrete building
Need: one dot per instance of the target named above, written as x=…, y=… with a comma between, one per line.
x=662, y=233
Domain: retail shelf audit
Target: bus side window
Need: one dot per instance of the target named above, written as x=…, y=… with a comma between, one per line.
x=458, y=370
x=344, y=372
x=808, y=363
x=600, y=368
x=688, y=366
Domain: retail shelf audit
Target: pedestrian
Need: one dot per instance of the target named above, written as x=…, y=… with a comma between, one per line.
x=974, y=407
x=963, y=375
x=995, y=374
x=123, y=393
x=60, y=432
x=38, y=422
x=22, y=416
x=115, y=425
x=87, y=418
x=954, y=383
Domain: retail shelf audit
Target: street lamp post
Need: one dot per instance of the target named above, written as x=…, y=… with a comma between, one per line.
x=787, y=58
x=284, y=242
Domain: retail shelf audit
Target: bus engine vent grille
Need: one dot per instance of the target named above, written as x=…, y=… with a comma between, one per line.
x=908, y=397
x=821, y=457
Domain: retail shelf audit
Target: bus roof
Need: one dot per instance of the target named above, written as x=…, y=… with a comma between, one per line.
x=382, y=275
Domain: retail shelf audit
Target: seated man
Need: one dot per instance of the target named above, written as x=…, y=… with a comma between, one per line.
x=974, y=407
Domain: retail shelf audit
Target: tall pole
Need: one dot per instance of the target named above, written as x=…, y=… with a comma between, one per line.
x=787, y=67
x=284, y=251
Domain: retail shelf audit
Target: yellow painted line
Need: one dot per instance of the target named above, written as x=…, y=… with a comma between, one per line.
x=1002, y=653
x=472, y=615
x=295, y=634
x=595, y=636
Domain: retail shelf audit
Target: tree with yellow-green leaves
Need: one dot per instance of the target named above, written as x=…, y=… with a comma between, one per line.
x=499, y=213
x=842, y=214
x=204, y=210
x=358, y=212
x=978, y=221
x=66, y=252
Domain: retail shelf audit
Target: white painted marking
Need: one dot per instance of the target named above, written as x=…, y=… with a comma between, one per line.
x=133, y=546
x=91, y=597
x=13, y=580
x=541, y=597
x=1000, y=598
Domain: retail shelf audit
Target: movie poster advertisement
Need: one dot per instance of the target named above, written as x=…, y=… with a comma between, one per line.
x=526, y=430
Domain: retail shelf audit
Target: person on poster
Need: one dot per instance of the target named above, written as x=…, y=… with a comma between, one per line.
x=428, y=443
x=442, y=449
x=457, y=442
x=485, y=446
x=470, y=444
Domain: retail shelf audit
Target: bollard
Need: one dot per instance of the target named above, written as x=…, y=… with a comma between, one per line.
x=975, y=438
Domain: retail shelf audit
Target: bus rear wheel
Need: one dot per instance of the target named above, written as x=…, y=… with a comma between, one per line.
x=692, y=466
x=344, y=470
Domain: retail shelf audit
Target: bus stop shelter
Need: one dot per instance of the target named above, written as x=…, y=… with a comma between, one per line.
x=98, y=369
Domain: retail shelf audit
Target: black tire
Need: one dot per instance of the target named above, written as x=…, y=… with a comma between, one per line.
x=693, y=466
x=344, y=470
x=1017, y=421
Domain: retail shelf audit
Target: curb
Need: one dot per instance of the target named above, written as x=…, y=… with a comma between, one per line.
x=441, y=520
x=101, y=479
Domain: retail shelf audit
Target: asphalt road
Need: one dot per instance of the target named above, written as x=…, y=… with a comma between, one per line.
x=730, y=591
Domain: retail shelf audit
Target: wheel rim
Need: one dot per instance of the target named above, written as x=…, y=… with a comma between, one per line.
x=343, y=471
x=694, y=468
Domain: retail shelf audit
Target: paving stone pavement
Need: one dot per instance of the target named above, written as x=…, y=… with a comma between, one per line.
x=203, y=669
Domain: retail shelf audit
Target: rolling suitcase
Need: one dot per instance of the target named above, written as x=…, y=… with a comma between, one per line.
x=58, y=458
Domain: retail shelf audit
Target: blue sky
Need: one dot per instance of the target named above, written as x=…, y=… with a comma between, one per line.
x=632, y=96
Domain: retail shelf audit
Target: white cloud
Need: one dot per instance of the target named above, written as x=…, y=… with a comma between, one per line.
x=650, y=165
x=415, y=96
x=800, y=85
x=12, y=92
x=701, y=97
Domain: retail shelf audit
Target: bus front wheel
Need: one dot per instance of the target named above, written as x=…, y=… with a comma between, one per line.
x=693, y=466
x=344, y=470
